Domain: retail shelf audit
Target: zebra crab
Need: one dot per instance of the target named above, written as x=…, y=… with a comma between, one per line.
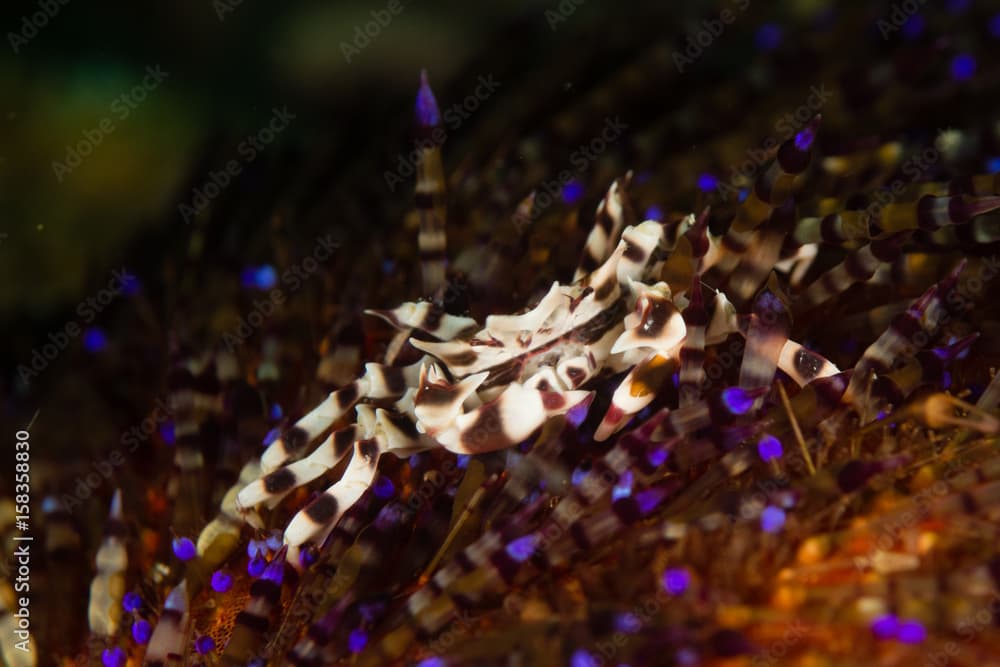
x=636, y=306
x=479, y=392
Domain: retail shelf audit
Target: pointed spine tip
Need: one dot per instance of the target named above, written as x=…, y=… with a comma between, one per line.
x=178, y=598
x=116, y=505
x=276, y=568
x=428, y=114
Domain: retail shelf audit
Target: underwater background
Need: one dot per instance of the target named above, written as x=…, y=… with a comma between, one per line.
x=201, y=199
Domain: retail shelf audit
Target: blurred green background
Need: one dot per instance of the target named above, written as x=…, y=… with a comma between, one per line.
x=222, y=73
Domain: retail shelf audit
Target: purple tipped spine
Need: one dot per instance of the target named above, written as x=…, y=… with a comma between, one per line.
x=428, y=114
x=276, y=569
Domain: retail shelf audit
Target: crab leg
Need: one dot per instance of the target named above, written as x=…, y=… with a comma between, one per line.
x=275, y=485
x=426, y=316
x=314, y=523
x=378, y=381
x=437, y=402
x=614, y=213
x=291, y=443
x=858, y=267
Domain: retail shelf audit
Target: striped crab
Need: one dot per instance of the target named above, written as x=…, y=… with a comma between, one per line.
x=648, y=301
x=477, y=390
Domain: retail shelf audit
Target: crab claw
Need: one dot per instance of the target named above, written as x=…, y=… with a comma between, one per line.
x=508, y=419
x=438, y=402
x=636, y=391
x=656, y=323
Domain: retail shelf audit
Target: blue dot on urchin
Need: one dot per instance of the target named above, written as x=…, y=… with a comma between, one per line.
x=384, y=488
x=654, y=212
x=222, y=581
x=911, y=632
x=167, y=433
x=265, y=277
x=768, y=37
x=676, y=580
x=772, y=519
x=583, y=658
x=737, y=400
x=769, y=448
x=522, y=548
x=204, y=644
x=131, y=601
x=885, y=626
x=113, y=657
x=963, y=66
x=572, y=193
x=141, y=631
x=914, y=26
x=94, y=340
x=433, y=661
x=184, y=548
x=707, y=182
x=256, y=566
x=357, y=640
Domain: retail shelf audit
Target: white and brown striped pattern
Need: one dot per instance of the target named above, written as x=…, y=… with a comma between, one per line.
x=314, y=523
x=108, y=586
x=426, y=316
x=169, y=641
x=614, y=213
